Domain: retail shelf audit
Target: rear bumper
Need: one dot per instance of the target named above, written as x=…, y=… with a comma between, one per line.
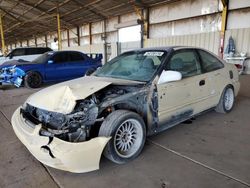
x=74, y=157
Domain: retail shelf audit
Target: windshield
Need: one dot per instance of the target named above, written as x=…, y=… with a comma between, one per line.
x=136, y=65
x=42, y=58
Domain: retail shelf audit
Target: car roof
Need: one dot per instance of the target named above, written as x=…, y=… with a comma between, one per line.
x=169, y=48
x=31, y=48
x=63, y=51
x=165, y=48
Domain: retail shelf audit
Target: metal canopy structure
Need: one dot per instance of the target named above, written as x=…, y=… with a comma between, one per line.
x=24, y=19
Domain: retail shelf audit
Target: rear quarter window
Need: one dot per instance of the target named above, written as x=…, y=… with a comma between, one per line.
x=209, y=62
x=75, y=56
x=33, y=51
x=43, y=50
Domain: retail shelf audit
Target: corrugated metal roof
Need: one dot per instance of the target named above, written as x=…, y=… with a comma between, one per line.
x=25, y=18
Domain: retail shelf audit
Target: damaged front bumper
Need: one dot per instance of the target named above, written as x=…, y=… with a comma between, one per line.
x=12, y=75
x=73, y=157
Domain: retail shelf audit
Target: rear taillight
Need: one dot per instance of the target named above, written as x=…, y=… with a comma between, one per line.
x=238, y=66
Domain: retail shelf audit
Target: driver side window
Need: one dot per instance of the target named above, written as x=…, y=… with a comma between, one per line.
x=185, y=62
x=18, y=52
x=60, y=58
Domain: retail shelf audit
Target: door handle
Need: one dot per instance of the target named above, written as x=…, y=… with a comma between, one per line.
x=202, y=83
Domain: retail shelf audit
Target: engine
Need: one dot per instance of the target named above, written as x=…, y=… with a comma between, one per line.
x=73, y=127
x=76, y=126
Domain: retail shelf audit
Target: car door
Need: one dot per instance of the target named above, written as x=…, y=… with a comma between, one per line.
x=212, y=68
x=76, y=66
x=55, y=69
x=181, y=99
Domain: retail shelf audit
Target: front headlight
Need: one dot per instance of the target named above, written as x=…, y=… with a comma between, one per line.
x=12, y=70
x=8, y=70
x=24, y=106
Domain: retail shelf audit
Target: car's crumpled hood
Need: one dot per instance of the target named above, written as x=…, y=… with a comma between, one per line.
x=62, y=97
x=15, y=62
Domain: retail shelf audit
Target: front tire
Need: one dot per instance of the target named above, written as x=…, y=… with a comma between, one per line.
x=227, y=100
x=33, y=80
x=128, y=133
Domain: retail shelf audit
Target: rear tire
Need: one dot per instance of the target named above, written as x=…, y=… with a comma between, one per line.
x=32, y=80
x=227, y=100
x=128, y=133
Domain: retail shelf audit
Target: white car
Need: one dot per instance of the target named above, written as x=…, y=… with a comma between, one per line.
x=24, y=54
x=137, y=94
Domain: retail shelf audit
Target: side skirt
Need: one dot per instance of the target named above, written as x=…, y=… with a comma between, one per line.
x=180, y=119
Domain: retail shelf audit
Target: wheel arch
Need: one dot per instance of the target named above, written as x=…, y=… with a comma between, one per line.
x=37, y=71
x=109, y=128
x=26, y=77
x=128, y=105
x=220, y=106
x=226, y=86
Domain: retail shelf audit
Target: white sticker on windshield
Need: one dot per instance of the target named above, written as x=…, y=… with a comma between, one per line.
x=153, y=53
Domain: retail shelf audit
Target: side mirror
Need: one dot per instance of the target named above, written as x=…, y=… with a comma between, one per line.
x=169, y=76
x=50, y=61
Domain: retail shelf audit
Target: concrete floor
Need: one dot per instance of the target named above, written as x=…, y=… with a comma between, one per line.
x=213, y=151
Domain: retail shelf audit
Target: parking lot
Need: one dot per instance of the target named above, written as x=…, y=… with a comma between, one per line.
x=211, y=151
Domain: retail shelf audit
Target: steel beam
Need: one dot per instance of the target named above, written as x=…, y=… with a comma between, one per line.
x=78, y=36
x=59, y=32
x=68, y=39
x=223, y=25
x=90, y=34
x=224, y=15
x=224, y=2
x=104, y=38
x=46, y=40
x=4, y=51
x=146, y=23
x=35, y=40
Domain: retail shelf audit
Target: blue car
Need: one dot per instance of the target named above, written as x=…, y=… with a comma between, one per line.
x=52, y=66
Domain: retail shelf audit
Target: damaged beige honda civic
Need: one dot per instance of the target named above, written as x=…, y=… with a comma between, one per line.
x=69, y=126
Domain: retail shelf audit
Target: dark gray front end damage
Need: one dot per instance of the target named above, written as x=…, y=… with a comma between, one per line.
x=84, y=121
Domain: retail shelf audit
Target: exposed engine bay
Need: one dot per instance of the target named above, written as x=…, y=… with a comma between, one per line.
x=83, y=122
